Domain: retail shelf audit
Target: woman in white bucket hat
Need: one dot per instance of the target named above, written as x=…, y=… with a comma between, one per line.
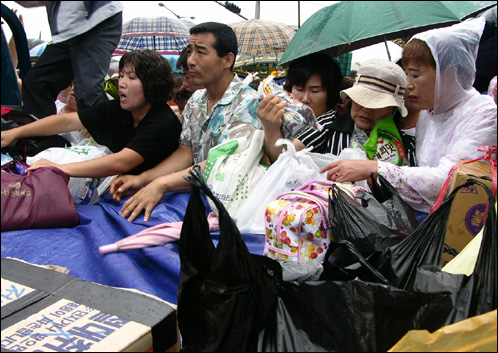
x=380, y=84
x=376, y=95
x=455, y=119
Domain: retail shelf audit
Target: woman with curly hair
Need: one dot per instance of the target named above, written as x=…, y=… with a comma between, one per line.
x=140, y=129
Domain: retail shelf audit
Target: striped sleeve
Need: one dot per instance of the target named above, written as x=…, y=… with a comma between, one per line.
x=329, y=140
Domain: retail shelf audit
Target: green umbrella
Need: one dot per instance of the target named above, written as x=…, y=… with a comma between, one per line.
x=350, y=25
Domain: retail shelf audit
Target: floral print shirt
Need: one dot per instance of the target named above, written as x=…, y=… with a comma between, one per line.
x=232, y=117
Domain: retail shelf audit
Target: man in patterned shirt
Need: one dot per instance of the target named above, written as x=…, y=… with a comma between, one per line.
x=225, y=109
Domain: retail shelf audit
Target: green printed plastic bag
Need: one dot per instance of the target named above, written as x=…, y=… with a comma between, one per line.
x=233, y=170
x=384, y=143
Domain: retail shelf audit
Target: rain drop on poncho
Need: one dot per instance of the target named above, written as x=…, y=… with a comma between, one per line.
x=462, y=120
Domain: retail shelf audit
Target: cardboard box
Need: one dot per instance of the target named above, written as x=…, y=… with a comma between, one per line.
x=46, y=310
x=467, y=211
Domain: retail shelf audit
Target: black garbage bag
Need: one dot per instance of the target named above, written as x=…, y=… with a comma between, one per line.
x=474, y=294
x=231, y=300
x=415, y=263
x=352, y=316
x=382, y=220
x=224, y=292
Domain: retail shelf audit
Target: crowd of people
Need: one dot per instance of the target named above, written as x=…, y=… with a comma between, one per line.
x=157, y=133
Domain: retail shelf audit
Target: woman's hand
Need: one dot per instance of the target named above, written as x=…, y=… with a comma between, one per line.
x=349, y=170
x=270, y=111
x=8, y=136
x=45, y=163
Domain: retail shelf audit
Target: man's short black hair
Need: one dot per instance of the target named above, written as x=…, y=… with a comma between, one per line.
x=226, y=40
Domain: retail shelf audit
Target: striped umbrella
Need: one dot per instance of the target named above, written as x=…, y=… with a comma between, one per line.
x=165, y=35
x=37, y=50
x=261, y=41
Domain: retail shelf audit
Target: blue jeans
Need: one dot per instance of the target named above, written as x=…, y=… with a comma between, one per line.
x=84, y=58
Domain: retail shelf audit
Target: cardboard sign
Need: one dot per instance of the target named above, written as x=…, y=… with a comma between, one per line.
x=46, y=311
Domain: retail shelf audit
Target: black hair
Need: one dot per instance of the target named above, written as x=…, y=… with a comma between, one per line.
x=154, y=71
x=301, y=69
x=182, y=93
x=225, y=38
x=181, y=63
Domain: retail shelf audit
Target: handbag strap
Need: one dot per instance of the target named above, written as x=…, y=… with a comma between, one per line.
x=320, y=200
x=10, y=166
x=489, y=151
x=310, y=185
x=325, y=185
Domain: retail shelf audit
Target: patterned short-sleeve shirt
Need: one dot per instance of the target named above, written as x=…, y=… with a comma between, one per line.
x=233, y=116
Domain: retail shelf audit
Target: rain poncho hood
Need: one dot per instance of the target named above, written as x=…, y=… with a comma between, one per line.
x=454, y=49
x=462, y=119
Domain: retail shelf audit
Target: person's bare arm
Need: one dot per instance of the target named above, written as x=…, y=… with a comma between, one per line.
x=112, y=164
x=148, y=197
x=129, y=184
x=51, y=125
x=29, y=4
x=270, y=111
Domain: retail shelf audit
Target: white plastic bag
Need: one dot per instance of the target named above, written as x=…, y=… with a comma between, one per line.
x=83, y=190
x=289, y=171
x=74, y=137
x=233, y=170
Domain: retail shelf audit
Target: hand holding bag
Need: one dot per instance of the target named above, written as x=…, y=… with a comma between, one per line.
x=37, y=199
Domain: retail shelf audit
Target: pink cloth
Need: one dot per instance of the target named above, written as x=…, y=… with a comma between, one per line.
x=158, y=235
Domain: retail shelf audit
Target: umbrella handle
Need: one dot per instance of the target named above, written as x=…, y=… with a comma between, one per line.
x=106, y=249
x=387, y=48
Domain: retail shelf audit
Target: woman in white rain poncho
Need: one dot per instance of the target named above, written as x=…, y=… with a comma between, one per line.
x=455, y=119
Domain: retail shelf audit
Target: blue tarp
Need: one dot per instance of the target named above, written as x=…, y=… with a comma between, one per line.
x=153, y=270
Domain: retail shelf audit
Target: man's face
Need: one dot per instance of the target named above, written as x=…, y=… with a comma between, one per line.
x=204, y=64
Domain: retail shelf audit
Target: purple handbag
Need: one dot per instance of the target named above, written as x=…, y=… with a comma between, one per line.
x=38, y=199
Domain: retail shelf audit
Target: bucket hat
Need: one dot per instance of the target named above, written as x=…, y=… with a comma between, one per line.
x=379, y=84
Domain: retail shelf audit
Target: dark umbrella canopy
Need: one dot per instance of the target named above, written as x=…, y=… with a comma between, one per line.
x=165, y=35
x=350, y=25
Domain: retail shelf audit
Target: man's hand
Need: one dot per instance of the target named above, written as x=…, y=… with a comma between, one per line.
x=144, y=200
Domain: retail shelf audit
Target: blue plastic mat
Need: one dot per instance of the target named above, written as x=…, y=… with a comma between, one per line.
x=153, y=270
